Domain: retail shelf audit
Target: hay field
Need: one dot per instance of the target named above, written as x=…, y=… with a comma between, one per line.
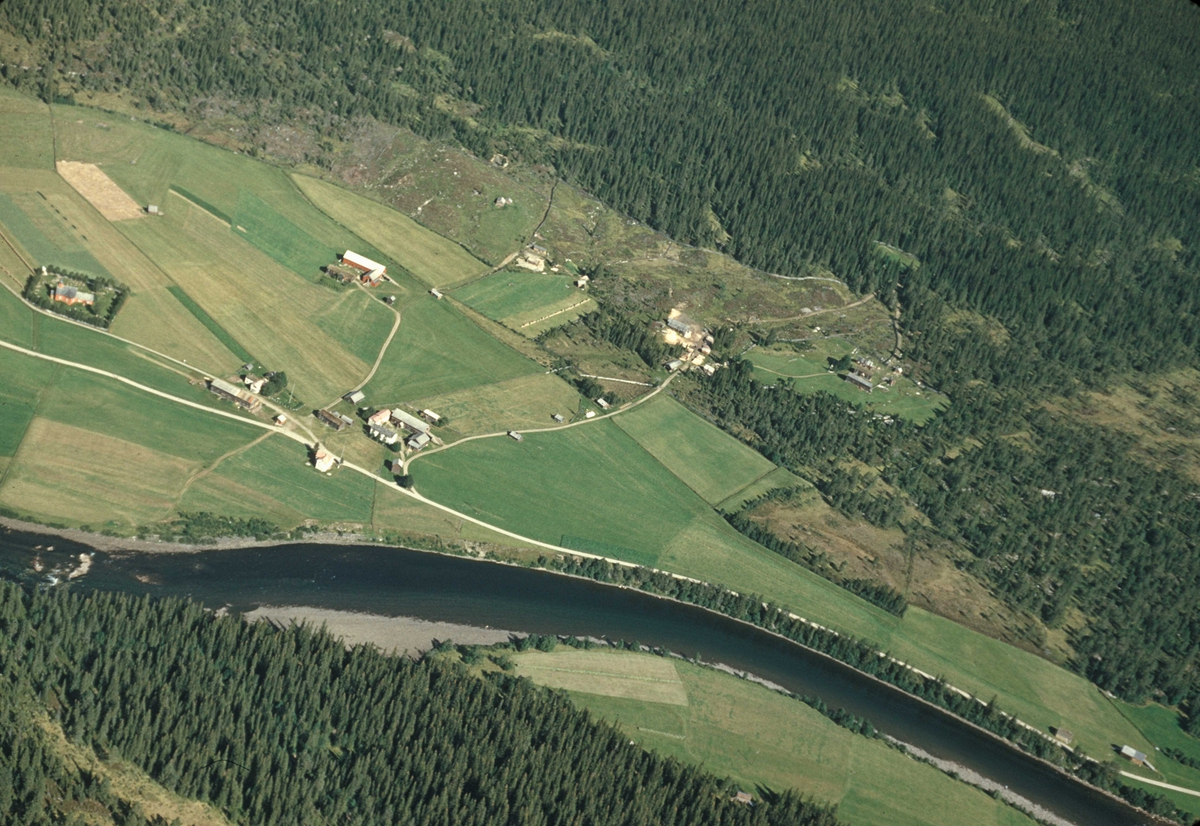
x=25, y=131
x=99, y=190
x=151, y=315
x=66, y=472
x=526, y=401
x=44, y=234
x=435, y=260
x=279, y=238
x=592, y=482
x=437, y=351
x=273, y=479
x=778, y=478
x=704, y=457
x=760, y=738
x=269, y=310
x=24, y=380
x=608, y=673
x=526, y=301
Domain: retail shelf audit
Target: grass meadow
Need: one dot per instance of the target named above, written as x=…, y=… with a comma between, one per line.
x=437, y=351
x=778, y=478
x=515, y=404
x=437, y=261
x=761, y=738
x=705, y=458
x=25, y=131
x=523, y=300
x=1160, y=725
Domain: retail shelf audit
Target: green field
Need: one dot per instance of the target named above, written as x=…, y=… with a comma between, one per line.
x=24, y=380
x=25, y=131
x=808, y=373
x=274, y=480
x=759, y=738
x=35, y=225
x=1161, y=726
x=279, y=238
x=707, y=459
x=211, y=325
x=592, y=482
x=778, y=478
x=439, y=351
x=435, y=260
x=515, y=404
x=527, y=302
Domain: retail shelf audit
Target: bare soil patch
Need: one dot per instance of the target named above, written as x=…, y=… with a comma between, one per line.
x=100, y=190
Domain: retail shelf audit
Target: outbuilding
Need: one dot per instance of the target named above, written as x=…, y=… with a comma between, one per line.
x=409, y=421
x=233, y=393
x=859, y=382
x=418, y=440
x=430, y=416
x=515, y=436
x=354, y=397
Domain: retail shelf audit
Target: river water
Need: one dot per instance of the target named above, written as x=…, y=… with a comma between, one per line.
x=395, y=582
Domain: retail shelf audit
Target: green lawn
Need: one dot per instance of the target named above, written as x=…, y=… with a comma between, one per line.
x=438, y=350
x=757, y=737
x=591, y=482
x=521, y=300
x=435, y=260
x=24, y=379
x=704, y=457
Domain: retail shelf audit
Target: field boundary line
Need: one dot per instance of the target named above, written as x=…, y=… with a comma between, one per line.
x=16, y=252
x=622, y=381
x=557, y=312
x=640, y=678
x=178, y=194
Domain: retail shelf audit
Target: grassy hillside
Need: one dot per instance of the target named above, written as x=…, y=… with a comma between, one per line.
x=761, y=739
x=527, y=302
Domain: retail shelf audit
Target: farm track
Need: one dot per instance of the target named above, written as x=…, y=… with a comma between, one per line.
x=849, y=306
x=382, y=350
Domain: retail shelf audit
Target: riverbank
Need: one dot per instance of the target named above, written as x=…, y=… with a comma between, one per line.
x=409, y=636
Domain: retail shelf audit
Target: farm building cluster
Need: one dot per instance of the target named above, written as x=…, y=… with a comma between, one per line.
x=385, y=426
x=353, y=266
x=694, y=339
x=867, y=376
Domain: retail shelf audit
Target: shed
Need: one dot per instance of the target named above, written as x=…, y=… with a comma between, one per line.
x=436, y=293
x=674, y=364
x=743, y=797
x=515, y=436
x=1063, y=736
x=152, y=209
x=335, y=420
x=558, y=418
x=603, y=404
x=859, y=382
x=1135, y=756
x=233, y=393
x=679, y=326
x=430, y=416
x=418, y=440
x=355, y=397
x=281, y=420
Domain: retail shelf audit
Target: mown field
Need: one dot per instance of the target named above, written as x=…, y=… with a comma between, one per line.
x=515, y=404
x=705, y=458
x=437, y=261
x=760, y=738
x=527, y=302
x=607, y=673
x=808, y=372
x=437, y=351
x=25, y=131
x=1161, y=726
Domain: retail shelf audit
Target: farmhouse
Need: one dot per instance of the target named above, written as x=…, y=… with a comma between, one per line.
x=383, y=433
x=418, y=440
x=253, y=383
x=68, y=294
x=380, y=417
x=409, y=421
x=323, y=460
x=372, y=272
x=859, y=382
x=233, y=393
x=337, y=421
x=355, y=397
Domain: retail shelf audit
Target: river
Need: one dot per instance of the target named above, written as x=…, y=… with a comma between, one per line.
x=394, y=582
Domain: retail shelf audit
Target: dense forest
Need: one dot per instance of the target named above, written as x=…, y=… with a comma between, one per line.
x=287, y=726
x=1019, y=177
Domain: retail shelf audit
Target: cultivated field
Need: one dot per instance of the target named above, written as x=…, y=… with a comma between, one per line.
x=435, y=260
x=759, y=738
x=704, y=457
x=279, y=238
x=591, y=482
x=527, y=302
x=437, y=351
x=273, y=479
x=270, y=311
x=25, y=131
x=610, y=674
x=43, y=234
x=778, y=478
x=1161, y=726
x=526, y=401
x=24, y=379
x=99, y=190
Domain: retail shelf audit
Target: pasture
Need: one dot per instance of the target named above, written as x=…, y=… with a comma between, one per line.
x=807, y=372
x=269, y=310
x=437, y=351
x=705, y=458
x=607, y=673
x=437, y=261
x=274, y=480
x=592, y=482
x=776, y=479
x=24, y=380
x=515, y=404
x=761, y=738
x=43, y=233
x=527, y=302
x=279, y=238
x=25, y=131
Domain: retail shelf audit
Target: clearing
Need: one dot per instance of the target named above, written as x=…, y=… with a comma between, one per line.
x=611, y=674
